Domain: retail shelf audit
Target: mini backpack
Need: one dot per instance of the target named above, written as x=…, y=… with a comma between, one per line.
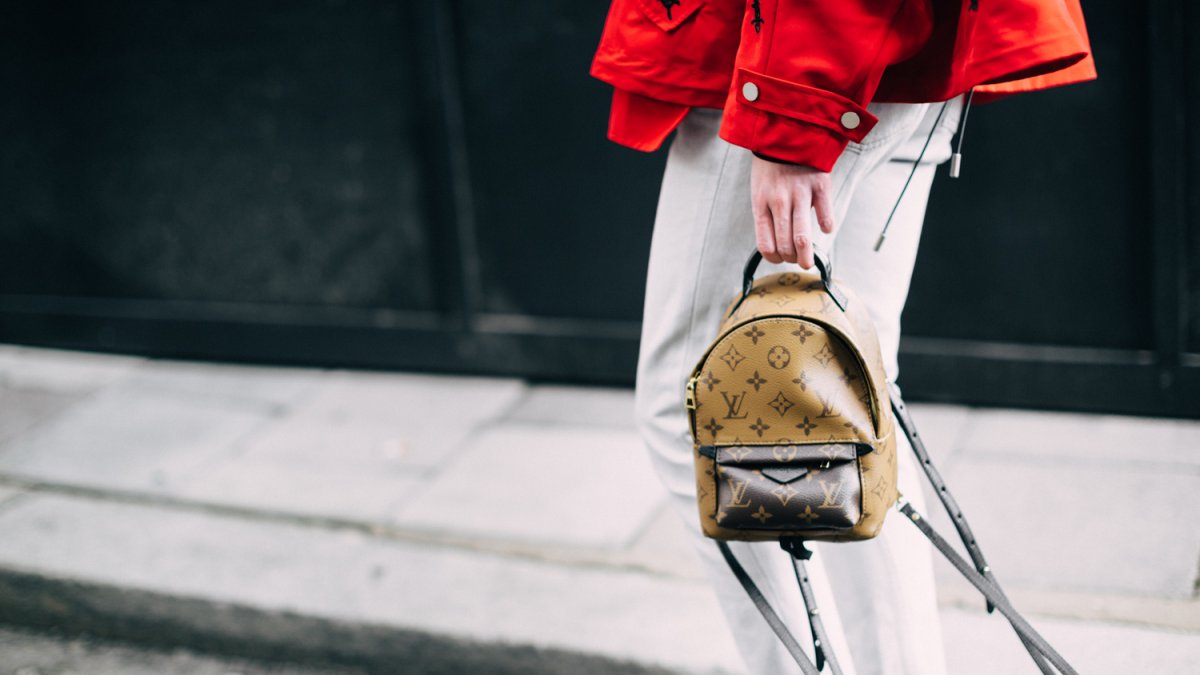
x=794, y=428
x=789, y=413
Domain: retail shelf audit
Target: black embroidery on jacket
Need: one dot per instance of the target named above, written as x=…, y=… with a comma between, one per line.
x=758, y=20
x=667, y=4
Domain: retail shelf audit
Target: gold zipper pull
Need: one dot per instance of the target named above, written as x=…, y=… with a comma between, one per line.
x=690, y=399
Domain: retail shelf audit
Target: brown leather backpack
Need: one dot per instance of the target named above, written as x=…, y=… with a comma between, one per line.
x=794, y=427
x=789, y=408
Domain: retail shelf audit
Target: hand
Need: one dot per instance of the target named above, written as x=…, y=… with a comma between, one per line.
x=781, y=196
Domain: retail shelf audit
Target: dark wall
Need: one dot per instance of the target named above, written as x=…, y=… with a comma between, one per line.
x=1046, y=237
x=202, y=152
x=427, y=185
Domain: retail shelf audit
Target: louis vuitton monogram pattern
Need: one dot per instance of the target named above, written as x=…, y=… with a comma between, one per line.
x=783, y=487
x=791, y=369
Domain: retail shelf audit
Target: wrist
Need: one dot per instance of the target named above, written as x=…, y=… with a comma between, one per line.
x=784, y=162
x=775, y=159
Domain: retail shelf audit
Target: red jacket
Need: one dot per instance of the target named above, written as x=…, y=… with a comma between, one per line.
x=795, y=76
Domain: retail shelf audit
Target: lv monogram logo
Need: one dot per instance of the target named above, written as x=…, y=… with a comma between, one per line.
x=737, y=493
x=785, y=493
x=809, y=516
x=824, y=355
x=734, y=405
x=739, y=453
x=778, y=357
x=827, y=408
x=832, y=492
x=732, y=357
x=784, y=454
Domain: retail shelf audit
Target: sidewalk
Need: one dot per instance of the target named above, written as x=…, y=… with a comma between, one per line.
x=425, y=524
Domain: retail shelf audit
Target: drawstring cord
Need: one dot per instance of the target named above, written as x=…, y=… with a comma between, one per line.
x=955, y=160
x=886, y=225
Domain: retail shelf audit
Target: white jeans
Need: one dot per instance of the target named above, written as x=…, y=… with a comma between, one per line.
x=877, y=597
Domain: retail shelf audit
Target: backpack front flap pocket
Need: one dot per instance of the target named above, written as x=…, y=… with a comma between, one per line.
x=787, y=487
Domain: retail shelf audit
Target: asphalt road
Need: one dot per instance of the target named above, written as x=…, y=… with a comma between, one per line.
x=25, y=653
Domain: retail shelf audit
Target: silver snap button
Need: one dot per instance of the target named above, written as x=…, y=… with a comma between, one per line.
x=750, y=91
x=850, y=120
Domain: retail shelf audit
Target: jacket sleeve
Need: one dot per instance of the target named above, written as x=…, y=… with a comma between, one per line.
x=806, y=70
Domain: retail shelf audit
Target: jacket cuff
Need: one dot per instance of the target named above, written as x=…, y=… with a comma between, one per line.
x=773, y=159
x=792, y=122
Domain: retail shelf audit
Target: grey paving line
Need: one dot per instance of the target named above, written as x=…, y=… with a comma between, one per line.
x=1131, y=610
x=546, y=552
x=1018, y=457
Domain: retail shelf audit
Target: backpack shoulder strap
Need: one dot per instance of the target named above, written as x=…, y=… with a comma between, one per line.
x=1044, y=655
x=904, y=420
x=1033, y=641
x=768, y=613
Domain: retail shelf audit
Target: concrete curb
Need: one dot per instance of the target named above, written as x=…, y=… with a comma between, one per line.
x=37, y=601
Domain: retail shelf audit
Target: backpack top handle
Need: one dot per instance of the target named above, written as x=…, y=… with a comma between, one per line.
x=824, y=266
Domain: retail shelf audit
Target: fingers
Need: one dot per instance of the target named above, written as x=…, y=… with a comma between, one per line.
x=764, y=230
x=824, y=206
x=781, y=213
x=802, y=235
x=781, y=225
x=783, y=197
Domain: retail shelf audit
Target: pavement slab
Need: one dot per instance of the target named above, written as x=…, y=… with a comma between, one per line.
x=266, y=387
x=8, y=494
x=129, y=439
x=323, y=486
x=578, y=406
x=24, y=409
x=532, y=483
x=56, y=370
x=1088, y=437
x=664, y=546
x=982, y=644
x=1080, y=525
x=346, y=575
x=418, y=421
x=942, y=427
